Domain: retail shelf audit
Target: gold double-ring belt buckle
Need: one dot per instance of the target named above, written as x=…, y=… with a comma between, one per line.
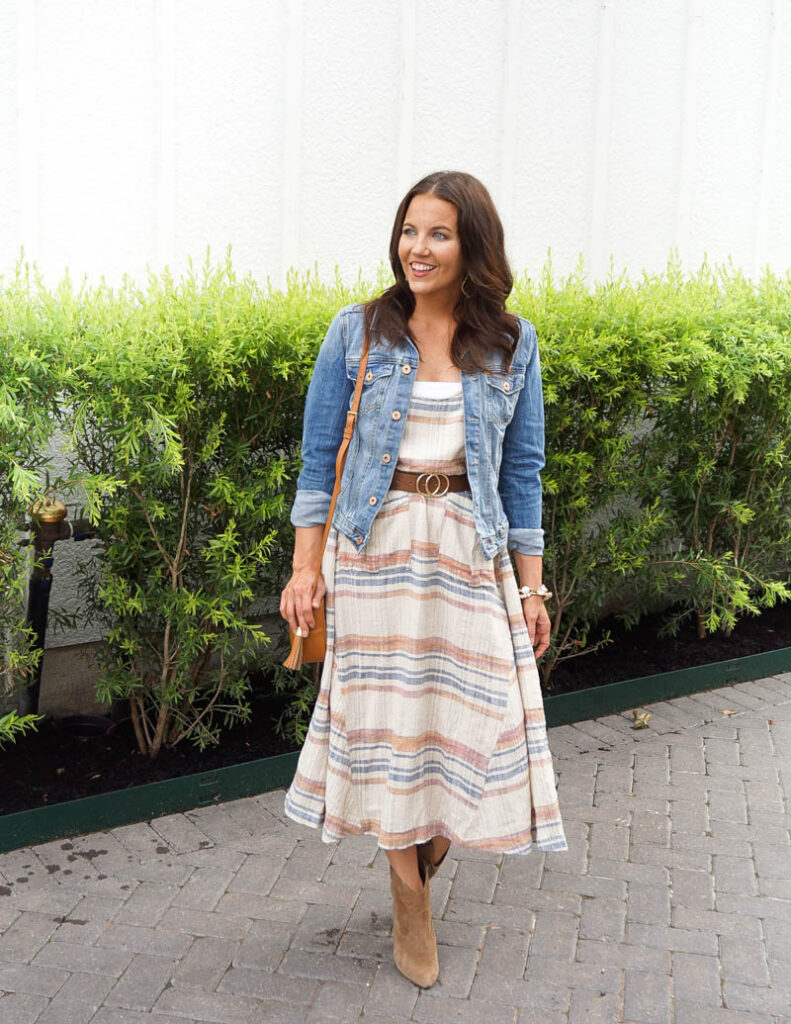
x=433, y=482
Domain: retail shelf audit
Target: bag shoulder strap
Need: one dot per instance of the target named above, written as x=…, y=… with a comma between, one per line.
x=340, y=461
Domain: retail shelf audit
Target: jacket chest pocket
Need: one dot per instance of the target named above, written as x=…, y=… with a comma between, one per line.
x=374, y=383
x=501, y=394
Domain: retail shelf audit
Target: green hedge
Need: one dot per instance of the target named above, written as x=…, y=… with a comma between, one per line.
x=31, y=380
x=668, y=406
x=668, y=477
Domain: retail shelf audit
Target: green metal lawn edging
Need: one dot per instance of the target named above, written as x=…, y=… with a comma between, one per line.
x=597, y=701
x=141, y=803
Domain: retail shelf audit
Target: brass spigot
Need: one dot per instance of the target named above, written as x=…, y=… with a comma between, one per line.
x=48, y=510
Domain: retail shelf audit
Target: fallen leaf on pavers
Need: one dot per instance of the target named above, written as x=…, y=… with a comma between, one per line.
x=729, y=711
x=640, y=720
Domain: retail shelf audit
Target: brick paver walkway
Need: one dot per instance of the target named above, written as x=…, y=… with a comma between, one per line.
x=672, y=904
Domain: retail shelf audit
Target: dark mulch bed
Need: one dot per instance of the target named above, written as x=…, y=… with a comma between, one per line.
x=53, y=765
x=641, y=652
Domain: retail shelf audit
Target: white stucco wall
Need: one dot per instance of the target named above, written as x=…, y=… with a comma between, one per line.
x=137, y=132
x=140, y=131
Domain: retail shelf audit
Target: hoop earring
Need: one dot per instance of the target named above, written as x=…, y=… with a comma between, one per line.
x=465, y=293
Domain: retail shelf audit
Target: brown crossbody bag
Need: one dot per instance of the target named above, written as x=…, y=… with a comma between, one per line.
x=312, y=648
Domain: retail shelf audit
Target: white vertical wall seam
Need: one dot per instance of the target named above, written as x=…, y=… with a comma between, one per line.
x=766, y=170
x=292, y=137
x=508, y=108
x=688, y=128
x=164, y=28
x=603, y=123
x=28, y=185
x=28, y=127
x=406, y=108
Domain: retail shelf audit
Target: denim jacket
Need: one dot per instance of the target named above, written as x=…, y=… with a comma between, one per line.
x=503, y=428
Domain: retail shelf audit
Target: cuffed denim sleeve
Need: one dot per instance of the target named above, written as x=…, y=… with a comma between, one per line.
x=523, y=457
x=310, y=508
x=526, y=542
x=326, y=405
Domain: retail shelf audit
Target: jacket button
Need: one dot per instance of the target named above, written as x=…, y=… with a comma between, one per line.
x=506, y=386
x=396, y=415
x=406, y=368
x=372, y=500
x=369, y=376
x=385, y=457
x=358, y=540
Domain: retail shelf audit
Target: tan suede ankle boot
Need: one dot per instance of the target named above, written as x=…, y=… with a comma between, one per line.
x=414, y=941
x=425, y=853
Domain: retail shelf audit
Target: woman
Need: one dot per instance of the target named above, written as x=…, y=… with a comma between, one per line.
x=429, y=726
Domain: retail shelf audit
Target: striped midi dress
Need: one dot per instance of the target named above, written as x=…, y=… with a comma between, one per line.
x=429, y=718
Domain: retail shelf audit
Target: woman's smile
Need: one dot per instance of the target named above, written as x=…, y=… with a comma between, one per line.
x=430, y=249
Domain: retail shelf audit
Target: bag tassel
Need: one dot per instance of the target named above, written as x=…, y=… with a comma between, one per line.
x=294, y=660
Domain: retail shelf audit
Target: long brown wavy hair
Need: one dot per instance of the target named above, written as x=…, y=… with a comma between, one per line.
x=482, y=323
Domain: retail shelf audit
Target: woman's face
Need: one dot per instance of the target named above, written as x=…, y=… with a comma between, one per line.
x=429, y=248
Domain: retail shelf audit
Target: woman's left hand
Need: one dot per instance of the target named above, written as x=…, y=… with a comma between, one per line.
x=538, y=624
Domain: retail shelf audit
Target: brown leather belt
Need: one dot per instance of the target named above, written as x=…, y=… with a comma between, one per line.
x=433, y=485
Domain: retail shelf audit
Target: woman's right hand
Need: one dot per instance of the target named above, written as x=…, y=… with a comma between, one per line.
x=298, y=599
